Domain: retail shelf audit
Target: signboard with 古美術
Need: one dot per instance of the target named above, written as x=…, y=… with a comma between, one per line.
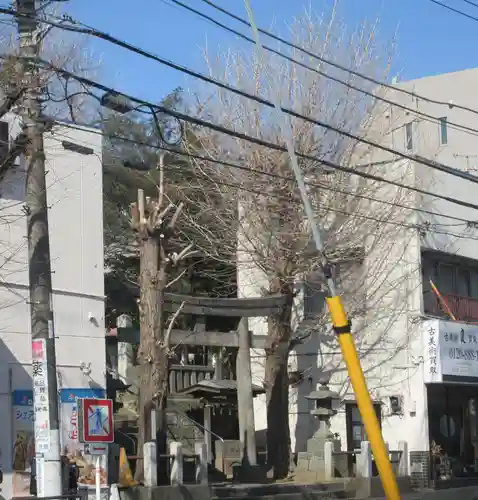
x=451, y=351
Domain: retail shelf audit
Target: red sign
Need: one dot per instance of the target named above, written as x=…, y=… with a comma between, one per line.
x=95, y=420
x=39, y=350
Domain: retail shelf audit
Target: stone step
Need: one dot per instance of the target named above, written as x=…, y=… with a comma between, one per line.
x=316, y=495
x=266, y=490
x=372, y=488
x=222, y=492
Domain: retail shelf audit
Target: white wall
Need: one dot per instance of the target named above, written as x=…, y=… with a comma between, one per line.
x=74, y=192
x=76, y=243
x=403, y=374
x=392, y=347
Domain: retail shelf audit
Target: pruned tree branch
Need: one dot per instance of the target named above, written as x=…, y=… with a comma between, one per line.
x=176, y=279
x=10, y=100
x=172, y=320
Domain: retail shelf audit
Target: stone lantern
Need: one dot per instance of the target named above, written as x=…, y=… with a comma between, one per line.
x=326, y=405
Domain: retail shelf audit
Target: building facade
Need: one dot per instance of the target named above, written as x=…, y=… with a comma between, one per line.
x=74, y=184
x=419, y=352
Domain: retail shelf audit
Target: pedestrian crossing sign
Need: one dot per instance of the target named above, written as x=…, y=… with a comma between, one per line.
x=95, y=420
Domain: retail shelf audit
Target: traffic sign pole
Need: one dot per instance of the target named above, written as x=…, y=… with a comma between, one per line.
x=95, y=421
x=98, y=477
x=96, y=428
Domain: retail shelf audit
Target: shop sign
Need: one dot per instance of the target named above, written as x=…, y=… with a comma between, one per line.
x=451, y=351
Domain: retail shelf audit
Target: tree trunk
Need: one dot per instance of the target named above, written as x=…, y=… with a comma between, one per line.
x=152, y=354
x=277, y=384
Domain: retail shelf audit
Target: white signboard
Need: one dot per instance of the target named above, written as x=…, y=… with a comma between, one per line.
x=40, y=396
x=451, y=351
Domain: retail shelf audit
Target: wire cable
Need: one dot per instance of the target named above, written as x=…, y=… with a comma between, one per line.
x=419, y=159
x=417, y=112
x=426, y=116
x=404, y=225
x=455, y=10
x=248, y=138
x=315, y=185
x=107, y=37
x=334, y=64
x=469, y=2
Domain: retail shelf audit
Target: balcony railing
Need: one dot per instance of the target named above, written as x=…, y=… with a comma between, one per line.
x=463, y=308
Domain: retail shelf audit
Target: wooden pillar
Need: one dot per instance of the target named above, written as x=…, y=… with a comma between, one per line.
x=207, y=432
x=245, y=405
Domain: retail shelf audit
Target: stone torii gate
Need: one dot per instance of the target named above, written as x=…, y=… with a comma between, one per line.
x=242, y=339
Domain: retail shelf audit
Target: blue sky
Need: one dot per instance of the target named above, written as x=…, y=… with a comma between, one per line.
x=431, y=40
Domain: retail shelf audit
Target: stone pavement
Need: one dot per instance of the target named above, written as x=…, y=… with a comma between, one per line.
x=467, y=493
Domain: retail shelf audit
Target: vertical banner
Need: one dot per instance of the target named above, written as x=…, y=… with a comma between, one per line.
x=40, y=475
x=71, y=448
x=23, y=442
x=40, y=396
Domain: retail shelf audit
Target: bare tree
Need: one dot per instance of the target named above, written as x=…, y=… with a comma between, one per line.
x=155, y=221
x=254, y=214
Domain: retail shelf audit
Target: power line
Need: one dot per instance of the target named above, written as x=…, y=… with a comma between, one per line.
x=334, y=64
x=248, y=138
x=455, y=10
x=315, y=185
x=469, y=2
x=99, y=34
x=426, y=116
x=421, y=160
x=424, y=161
x=423, y=227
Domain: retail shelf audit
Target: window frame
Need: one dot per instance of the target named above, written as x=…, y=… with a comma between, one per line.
x=350, y=422
x=457, y=269
x=409, y=136
x=443, y=130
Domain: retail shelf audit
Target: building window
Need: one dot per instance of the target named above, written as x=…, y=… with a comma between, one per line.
x=457, y=283
x=409, y=136
x=443, y=130
x=355, y=427
x=3, y=140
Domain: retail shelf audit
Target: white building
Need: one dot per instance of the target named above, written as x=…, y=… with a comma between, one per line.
x=421, y=368
x=74, y=194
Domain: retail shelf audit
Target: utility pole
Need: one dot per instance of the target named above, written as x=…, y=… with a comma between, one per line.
x=45, y=392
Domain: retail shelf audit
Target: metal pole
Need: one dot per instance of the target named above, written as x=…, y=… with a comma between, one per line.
x=45, y=391
x=341, y=324
x=98, y=477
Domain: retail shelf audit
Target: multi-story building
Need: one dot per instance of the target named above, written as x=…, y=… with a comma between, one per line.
x=74, y=184
x=419, y=353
